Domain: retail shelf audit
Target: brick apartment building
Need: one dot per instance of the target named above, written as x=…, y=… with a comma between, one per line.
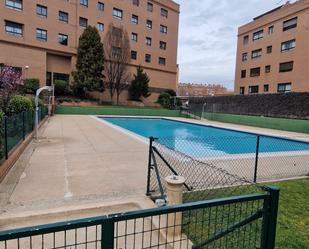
x=191, y=89
x=40, y=37
x=273, y=51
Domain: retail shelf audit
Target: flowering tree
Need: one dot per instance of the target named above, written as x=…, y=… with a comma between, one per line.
x=10, y=83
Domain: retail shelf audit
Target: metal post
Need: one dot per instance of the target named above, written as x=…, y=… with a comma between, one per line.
x=151, y=139
x=107, y=234
x=256, y=158
x=6, y=138
x=24, y=132
x=270, y=215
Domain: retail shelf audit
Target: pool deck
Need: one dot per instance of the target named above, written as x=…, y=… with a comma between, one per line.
x=80, y=162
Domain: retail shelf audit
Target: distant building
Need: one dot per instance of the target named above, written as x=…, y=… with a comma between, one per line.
x=191, y=89
x=273, y=51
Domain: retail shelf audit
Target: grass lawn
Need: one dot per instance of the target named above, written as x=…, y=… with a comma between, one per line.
x=117, y=110
x=295, y=125
x=293, y=220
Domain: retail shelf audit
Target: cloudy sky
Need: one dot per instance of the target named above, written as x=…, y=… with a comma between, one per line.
x=208, y=35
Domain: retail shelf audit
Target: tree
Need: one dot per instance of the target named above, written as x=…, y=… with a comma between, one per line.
x=90, y=63
x=117, y=54
x=139, y=85
x=11, y=83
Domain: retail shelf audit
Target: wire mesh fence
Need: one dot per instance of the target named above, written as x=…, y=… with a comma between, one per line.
x=15, y=129
x=237, y=222
x=224, y=166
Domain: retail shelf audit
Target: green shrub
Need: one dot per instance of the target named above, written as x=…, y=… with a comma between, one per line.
x=20, y=104
x=171, y=92
x=31, y=85
x=60, y=87
x=164, y=100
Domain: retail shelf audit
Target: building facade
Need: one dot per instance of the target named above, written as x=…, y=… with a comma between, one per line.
x=273, y=51
x=191, y=90
x=40, y=37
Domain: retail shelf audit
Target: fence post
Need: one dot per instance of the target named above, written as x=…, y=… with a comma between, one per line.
x=256, y=158
x=270, y=215
x=24, y=132
x=151, y=139
x=107, y=234
x=6, y=138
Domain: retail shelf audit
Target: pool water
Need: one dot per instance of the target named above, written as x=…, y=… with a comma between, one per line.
x=205, y=140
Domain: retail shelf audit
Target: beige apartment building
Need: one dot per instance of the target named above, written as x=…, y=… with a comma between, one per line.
x=40, y=37
x=273, y=51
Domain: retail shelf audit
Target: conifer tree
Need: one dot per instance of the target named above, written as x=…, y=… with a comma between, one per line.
x=90, y=63
x=139, y=85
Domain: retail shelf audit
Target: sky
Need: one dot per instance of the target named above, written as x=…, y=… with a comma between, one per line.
x=208, y=37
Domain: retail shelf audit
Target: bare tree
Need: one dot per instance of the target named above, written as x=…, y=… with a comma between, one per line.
x=117, y=57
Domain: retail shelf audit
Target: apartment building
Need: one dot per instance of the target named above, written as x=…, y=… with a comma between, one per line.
x=193, y=89
x=273, y=51
x=40, y=37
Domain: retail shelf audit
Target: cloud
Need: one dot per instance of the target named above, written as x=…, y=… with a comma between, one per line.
x=208, y=37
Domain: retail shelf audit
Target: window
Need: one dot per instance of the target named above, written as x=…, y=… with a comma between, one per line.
x=254, y=72
x=41, y=34
x=83, y=3
x=163, y=45
x=100, y=6
x=41, y=10
x=14, y=4
x=135, y=2
x=266, y=88
x=288, y=45
x=244, y=56
x=83, y=22
x=63, y=39
x=116, y=52
x=134, y=19
x=14, y=28
x=256, y=53
x=100, y=26
x=150, y=7
x=149, y=24
x=163, y=29
x=286, y=66
x=271, y=29
x=164, y=12
x=243, y=73
x=242, y=90
x=133, y=55
x=290, y=24
x=148, y=41
x=246, y=39
x=61, y=76
x=162, y=61
x=257, y=35
x=284, y=87
x=134, y=37
x=63, y=17
x=116, y=32
x=269, y=49
x=118, y=13
x=253, y=89
x=267, y=69
x=147, y=58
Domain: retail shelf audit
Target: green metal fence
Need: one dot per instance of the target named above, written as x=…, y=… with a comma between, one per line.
x=16, y=128
x=247, y=221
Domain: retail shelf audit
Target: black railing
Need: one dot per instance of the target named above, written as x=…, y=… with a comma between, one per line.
x=16, y=128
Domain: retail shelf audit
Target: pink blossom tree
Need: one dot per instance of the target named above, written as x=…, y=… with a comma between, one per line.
x=10, y=83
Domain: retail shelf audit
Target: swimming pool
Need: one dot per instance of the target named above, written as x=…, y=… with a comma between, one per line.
x=205, y=140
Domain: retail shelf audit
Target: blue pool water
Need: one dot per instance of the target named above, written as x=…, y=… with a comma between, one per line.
x=200, y=140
